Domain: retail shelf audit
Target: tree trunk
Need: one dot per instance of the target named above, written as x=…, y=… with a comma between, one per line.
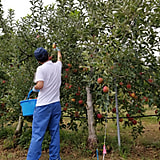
x=92, y=138
x=19, y=126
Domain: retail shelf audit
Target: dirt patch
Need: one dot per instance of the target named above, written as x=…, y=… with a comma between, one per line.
x=141, y=152
x=137, y=153
x=12, y=154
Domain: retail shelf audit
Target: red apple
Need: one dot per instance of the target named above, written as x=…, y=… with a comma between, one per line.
x=70, y=87
x=130, y=119
x=105, y=89
x=78, y=93
x=134, y=122
x=76, y=114
x=75, y=70
x=3, y=81
x=114, y=110
x=156, y=111
x=100, y=80
x=66, y=85
x=66, y=104
x=127, y=115
x=66, y=76
x=65, y=108
x=139, y=111
x=121, y=83
x=150, y=80
x=132, y=95
x=99, y=116
x=80, y=101
x=128, y=86
x=67, y=69
x=145, y=98
x=121, y=120
x=69, y=65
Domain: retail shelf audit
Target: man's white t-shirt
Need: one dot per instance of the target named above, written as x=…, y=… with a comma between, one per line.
x=50, y=73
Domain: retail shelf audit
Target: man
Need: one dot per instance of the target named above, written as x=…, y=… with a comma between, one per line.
x=47, y=112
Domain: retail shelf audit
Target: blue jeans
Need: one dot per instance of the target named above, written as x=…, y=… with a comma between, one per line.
x=43, y=117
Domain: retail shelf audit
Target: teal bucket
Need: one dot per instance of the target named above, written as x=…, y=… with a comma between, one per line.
x=28, y=105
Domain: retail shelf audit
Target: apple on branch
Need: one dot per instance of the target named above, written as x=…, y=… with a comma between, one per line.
x=67, y=69
x=128, y=86
x=65, y=108
x=121, y=83
x=69, y=65
x=80, y=101
x=114, y=110
x=150, y=80
x=100, y=80
x=105, y=89
x=132, y=95
x=99, y=116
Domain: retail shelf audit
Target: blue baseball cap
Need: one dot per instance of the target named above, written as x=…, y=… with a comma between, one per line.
x=41, y=54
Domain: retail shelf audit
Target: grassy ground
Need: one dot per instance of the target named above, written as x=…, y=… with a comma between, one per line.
x=73, y=144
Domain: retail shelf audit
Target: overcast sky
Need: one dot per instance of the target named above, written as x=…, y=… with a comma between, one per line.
x=21, y=7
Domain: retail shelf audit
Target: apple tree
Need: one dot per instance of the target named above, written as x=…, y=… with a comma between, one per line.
x=123, y=51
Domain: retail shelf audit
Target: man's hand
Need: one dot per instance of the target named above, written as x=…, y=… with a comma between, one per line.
x=38, y=86
x=55, y=47
x=35, y=90
x=59, y=57
x=58, y=49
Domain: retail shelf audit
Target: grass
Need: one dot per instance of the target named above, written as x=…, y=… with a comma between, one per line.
x=73, y=144
x=146, y=146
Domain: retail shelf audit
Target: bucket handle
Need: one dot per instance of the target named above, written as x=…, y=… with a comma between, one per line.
x=29, y=93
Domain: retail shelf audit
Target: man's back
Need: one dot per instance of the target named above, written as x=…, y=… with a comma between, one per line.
x=50, y=73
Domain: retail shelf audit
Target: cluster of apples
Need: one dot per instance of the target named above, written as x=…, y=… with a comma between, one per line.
x=134, y=122
x=73, y=100
x=105, y=88
x=132, y=94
